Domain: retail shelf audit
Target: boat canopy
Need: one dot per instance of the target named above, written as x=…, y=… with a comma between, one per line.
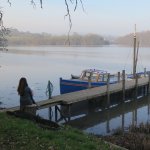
x=96, y=71
x=94, y=75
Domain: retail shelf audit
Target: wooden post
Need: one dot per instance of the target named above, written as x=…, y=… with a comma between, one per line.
x=148, y=110
x=134, y=54
x=108, y=90
x=149, y=83
x=118, y=76
x=89, y=82
x=56, y=116
x=123, y=84
x=144, y=72
x=49, y=96
x=146, y=87
x=50, y=113
x=136, y=86
x=49, y=90
x=69, y=113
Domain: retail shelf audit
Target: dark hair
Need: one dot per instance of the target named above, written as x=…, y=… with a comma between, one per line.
x=22, y=85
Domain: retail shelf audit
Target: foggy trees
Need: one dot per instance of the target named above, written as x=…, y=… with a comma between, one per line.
x=27, y=38
x=4, y=31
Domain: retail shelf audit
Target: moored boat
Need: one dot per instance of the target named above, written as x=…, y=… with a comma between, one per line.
x=89, y=78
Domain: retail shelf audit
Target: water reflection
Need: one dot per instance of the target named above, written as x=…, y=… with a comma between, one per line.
x=93, y=117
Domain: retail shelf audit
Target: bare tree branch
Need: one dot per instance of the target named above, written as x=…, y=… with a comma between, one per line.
x=73, y=2
x=9, y=2
x=82, y=5
x=69, y=15
x=33, y=3
x=70, y=21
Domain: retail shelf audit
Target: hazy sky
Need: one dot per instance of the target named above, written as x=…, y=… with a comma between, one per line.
x=105, y=17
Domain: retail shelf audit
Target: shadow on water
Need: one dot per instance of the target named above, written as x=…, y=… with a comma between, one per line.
x=94, y=116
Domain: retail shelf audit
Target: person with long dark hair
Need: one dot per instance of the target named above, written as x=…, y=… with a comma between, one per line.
x=26, y=96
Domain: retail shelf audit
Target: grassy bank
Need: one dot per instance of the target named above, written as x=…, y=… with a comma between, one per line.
x=21, y=134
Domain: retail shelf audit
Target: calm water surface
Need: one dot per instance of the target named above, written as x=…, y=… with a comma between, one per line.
x=40, y=64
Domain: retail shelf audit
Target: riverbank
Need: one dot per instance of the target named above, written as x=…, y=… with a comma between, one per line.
x=137, y=137
x=24, y=134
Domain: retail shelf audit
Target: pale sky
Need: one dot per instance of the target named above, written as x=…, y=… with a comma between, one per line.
x=105, y=17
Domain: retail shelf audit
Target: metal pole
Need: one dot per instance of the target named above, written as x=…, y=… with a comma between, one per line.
x=134, y=53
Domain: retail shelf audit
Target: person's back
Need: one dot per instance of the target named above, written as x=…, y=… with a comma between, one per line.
x=25, y=94
x=26, y=98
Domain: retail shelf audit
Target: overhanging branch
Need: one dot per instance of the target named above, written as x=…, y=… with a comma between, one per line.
x=73, y=2
x=69, y=15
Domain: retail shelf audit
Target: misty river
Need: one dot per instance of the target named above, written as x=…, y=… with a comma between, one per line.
x=40, y=64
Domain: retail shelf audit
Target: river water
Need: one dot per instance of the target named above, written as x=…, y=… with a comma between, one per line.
x=40, y=64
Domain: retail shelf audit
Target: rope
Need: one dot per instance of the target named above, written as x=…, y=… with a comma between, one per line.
x=140, y=62
x=129, y=53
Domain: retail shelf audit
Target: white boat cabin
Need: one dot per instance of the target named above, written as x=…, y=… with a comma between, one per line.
x=94, y=75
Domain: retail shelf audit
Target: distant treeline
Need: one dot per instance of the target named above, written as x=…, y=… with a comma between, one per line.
x=17, y=38
x=142, y=37
x=26, y=38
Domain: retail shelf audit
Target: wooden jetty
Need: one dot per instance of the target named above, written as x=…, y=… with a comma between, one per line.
x=91, y=93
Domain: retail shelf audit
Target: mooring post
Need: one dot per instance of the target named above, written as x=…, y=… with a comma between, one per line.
x=89, y=82
x=123, y=84
x=145, y=90
x=69, y=112
x=49, y=96
x=56, y=116
x=108, y=90
x=49, y=90
x=149, y=83
x=118, y=76
x=136, y=86
x=148, y=110
x=144, y=72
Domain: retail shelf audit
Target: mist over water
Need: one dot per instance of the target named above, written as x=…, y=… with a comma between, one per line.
x=40, y=64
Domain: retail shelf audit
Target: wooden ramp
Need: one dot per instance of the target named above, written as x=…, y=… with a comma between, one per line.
x=88, y=94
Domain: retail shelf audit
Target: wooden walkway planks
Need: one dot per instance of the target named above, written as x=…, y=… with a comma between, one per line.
x=87, y=94
x=100, y=91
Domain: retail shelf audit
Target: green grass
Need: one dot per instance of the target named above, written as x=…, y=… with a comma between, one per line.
x=21, y=134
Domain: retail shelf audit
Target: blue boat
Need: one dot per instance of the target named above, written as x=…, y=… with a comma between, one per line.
x=89, y=78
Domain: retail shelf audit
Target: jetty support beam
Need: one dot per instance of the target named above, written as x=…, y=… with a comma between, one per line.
x=57, y=109
x=123, y=84
x=108, y=90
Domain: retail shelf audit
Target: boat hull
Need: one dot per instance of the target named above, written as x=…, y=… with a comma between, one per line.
x=72, y=85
